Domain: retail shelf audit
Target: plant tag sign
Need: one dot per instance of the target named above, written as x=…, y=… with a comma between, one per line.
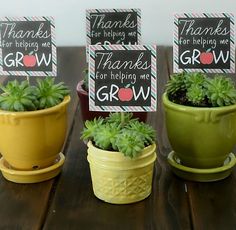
x=122, y=78
x=113, y=26
x=27, y=46
x=204, y=43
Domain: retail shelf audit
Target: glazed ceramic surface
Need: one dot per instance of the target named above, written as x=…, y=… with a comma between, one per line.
x=118, y=179
x=33, y=140
x=200, y=137
x=32, y=176
x=202, y=175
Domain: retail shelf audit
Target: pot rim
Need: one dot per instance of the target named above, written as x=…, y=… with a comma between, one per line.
x=171, y=104
x=55, y=108
x=113, y=160
x=149, y=149
x=80, y=89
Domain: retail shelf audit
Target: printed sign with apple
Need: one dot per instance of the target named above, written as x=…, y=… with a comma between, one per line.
x=122, y=78
x=27, y=46
x=204, y=42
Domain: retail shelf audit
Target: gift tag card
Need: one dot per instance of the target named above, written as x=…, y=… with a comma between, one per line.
x=204, y=43
x=113, y=26
x=27, y=46
x=122, y=78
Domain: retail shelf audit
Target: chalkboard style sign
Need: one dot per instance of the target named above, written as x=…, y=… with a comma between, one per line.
x=204, y=43
x=113, y=26
x=27, y=46
x=122, y=78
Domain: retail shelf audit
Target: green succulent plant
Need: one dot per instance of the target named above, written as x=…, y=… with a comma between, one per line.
x=105, y=136
x=144, y=130
x=21, y=96
x=90, y=128
x=200, y=90
x=119, y=132
x=175, y=84
x=196, y=94
x=194, y=79
x=221, y=91
x=18, y=96
x=50, y=94
x=129, y=144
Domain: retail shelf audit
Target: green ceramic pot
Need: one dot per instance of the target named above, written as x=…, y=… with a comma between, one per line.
x=200, y=137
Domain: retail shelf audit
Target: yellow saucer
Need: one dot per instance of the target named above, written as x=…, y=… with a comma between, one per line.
x=201, y=175
x=32, y=176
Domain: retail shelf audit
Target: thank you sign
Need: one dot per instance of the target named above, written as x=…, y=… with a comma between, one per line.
x=122, y=78
x=113, y=26
x=204, y=42
x=27, y=46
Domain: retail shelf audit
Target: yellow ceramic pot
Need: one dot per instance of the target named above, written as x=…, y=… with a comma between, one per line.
x=118, y=179
x=33, y=140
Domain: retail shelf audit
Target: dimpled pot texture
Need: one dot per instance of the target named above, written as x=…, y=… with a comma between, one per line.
x=118, y=179
x=200, y=137
x=33, y=140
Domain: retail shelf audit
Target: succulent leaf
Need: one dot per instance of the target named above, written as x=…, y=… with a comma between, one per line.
x=144, y=130
x=221, y=91
x=90, y=128
x=18, y=96
x=196, y=94
x=129, y=143
x=50, y=94
x=175, y=84
x=194, y=79
x=105, y=136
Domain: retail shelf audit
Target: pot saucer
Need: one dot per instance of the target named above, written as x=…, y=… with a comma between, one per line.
x=31, y=176
x=201, y=175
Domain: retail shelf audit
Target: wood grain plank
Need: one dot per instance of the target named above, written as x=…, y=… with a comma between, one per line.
x=170, y=204
x=25, y=206
x=75, y=207
x=213, y=205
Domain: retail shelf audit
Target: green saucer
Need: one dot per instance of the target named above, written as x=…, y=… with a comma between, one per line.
x=201, y=175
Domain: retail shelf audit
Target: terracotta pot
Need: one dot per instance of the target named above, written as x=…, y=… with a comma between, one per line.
x=90, y=115
x=118, y=179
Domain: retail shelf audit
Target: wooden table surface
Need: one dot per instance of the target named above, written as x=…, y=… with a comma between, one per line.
x=67, y=201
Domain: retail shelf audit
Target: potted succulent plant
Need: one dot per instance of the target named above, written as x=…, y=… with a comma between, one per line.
x=121, y=154
x=200, y=117
x=33, y=121
x=82, y=92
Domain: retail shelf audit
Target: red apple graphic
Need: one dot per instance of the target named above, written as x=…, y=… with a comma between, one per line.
x=125, y=94
x=206, y=58
x=29, y=60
